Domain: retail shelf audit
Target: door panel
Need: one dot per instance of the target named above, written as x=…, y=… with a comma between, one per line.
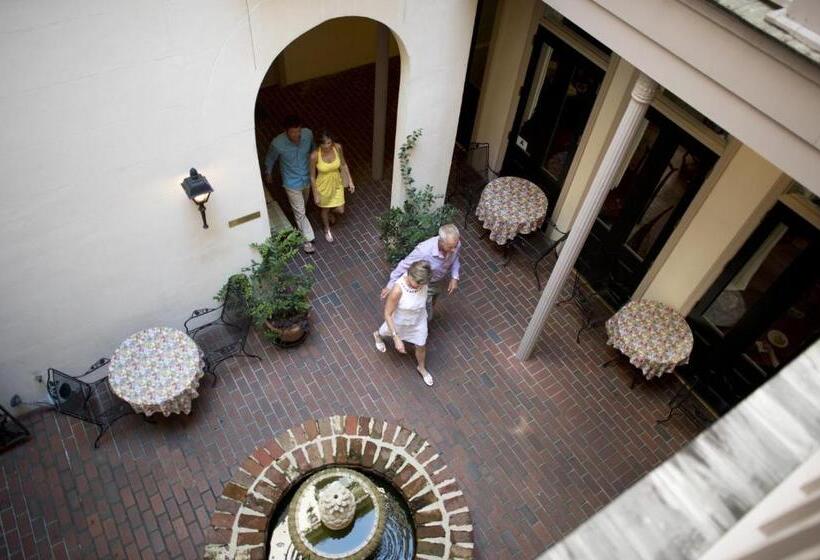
x=535, y=110
x=762, y=311
x=556, y=100
x=654, y=189
x=476, y=63
x=570, y=123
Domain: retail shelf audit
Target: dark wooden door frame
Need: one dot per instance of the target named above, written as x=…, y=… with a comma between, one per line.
x=542, y=37
x=531, y=163
x=467, y=84
x=794, y=280
x=724, y=354
x=659, y=174
x=623, y=264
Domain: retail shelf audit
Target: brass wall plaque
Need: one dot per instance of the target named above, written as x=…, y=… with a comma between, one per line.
x=239, y=221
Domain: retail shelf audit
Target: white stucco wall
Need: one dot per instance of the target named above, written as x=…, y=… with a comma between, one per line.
x=105, y=106
x=334, y=46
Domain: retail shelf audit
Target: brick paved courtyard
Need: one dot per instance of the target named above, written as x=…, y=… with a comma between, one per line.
x=537, y=447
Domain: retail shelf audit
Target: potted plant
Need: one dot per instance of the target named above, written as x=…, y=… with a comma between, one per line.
x=277, y=297
x=402, y=228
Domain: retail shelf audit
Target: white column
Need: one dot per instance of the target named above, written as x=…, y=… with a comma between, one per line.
x=642, y=93
x=380, y=99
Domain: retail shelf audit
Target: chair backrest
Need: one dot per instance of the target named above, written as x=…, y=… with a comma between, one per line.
x=70, y=395
x=478, y=157
x=553, y=233
x=234, y=310
x=106, y=405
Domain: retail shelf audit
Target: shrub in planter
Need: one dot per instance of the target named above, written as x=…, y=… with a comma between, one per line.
x=277, y=296
x=401, y=229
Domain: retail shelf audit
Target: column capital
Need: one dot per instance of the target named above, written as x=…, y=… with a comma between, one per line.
x=644, y=89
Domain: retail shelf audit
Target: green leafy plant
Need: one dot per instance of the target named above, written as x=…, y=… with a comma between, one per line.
x=401, y=229
x=272, y=289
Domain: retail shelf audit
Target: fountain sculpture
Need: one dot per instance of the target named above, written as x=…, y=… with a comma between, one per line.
x=341, y=514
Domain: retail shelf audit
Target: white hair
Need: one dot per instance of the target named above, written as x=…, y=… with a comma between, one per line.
x=448, y=232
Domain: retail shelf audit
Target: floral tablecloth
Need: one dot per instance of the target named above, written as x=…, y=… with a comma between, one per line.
x=652, y=335
x=509, y=206
x=157, y=370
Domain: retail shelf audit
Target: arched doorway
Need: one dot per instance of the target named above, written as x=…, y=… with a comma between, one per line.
x=433, y=40
x=343, y=90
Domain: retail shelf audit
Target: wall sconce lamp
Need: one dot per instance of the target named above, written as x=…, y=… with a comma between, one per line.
x=199, y=191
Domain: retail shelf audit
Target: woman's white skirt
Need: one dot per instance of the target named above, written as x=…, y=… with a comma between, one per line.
x=411, y=328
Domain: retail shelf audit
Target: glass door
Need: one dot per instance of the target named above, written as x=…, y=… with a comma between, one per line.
x=653, y=190
x=479, y=49
x=557, y=97
x=761, y=312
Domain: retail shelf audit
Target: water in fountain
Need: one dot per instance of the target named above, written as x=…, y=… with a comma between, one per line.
x=397, y=541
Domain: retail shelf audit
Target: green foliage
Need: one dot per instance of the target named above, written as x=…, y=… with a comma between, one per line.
x=239, y=282
x=401, y=229
x=273, y=291
x=404, y=157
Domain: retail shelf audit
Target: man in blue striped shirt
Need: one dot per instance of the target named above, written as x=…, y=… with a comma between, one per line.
x=292, y=149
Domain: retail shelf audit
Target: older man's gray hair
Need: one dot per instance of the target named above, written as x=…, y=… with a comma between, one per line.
x=448, y=232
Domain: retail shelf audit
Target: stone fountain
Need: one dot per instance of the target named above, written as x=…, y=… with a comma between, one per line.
x=341, y=514
x=318, y=473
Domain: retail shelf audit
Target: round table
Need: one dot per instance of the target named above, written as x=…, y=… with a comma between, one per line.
x=157, y=370
x=652, y=335
x=510, y=206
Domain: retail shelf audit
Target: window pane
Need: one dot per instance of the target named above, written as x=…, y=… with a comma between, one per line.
x=578, y=101
x=536, y=108
x=795, y=328
x=617, y=198
x=683, y=173
x=782, y=246
x=696, y=115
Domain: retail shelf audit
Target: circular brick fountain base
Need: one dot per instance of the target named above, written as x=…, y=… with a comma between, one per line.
x=442, y=522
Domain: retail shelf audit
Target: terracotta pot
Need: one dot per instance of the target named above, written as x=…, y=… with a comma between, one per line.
x=289, y=335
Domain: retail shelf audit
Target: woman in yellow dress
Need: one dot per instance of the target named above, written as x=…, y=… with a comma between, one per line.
x=328, y=176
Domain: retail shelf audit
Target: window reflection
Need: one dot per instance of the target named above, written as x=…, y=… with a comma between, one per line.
x=782, y=340
x=545, y=71
x=780, y=249
x=578, y=101
x=684, y=171
x=627, y=183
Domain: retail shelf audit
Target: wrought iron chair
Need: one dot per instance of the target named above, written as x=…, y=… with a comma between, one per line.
x=593, y=310
x=92, y=402
x=537, y=246
x=12, y=430
x=225, y=336
x=469, y=175
x=594, y=302
x=684, y=401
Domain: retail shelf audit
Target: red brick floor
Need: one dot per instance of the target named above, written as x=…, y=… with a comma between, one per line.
x=537, y=446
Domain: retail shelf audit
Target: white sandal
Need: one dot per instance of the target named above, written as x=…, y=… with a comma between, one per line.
x=380, y=346
x=329, y=236
x=428, y=379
